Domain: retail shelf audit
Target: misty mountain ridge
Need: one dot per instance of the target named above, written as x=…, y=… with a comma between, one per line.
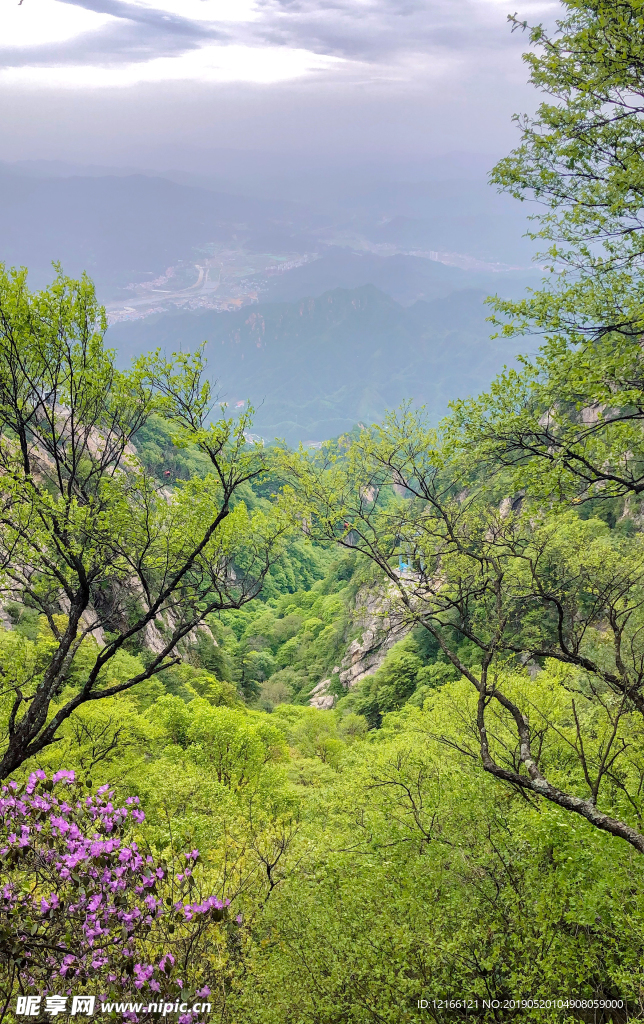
x=405, y=278
x=316, y=367
x=267, y=175
x=121, y=228
x=337, y=327
x=128, y=228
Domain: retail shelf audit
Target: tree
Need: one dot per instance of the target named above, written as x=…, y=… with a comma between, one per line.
x=582, y=153
x=87, y=536
x=502, y=569
x=570, y=423
x=522, y=898
x=497, y=589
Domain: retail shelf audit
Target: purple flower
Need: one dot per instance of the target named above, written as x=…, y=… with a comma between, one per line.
x=106, y=912
x=166, y=961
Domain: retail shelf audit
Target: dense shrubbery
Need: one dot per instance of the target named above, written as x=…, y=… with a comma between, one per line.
x=368, y=869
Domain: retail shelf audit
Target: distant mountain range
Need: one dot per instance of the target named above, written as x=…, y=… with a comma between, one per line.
x=318, y=366
x=121, y=229
x=405, y=278
x=126, y=228
x=350, y=322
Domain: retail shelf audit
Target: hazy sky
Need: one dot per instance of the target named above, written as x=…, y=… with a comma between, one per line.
x=168, y=83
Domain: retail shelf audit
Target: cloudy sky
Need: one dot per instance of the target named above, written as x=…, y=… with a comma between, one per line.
x=172, y=82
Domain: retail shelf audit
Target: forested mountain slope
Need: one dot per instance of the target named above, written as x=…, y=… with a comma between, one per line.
x=457, y=834
x=317, y=367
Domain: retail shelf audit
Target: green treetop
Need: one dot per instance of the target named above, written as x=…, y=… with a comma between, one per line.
x=569, y=424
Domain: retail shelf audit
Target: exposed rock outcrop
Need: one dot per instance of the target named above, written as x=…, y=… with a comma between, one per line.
x=320, y=698
x=382, y=624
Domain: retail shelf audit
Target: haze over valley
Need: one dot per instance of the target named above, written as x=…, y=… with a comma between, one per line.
x=322, y=311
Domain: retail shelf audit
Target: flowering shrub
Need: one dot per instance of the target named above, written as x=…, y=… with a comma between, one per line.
x=84, y=910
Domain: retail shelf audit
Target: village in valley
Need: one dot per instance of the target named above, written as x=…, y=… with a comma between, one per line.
x=217, y=278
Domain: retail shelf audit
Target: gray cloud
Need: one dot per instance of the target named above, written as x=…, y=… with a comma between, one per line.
x=132, y=12
x=386, y=116
x=376, y=33
x=139, y=35
x=379, y=31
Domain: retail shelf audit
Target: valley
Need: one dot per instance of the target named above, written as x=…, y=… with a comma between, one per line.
x=322, y=512
x=225, y=279
x=321, y=311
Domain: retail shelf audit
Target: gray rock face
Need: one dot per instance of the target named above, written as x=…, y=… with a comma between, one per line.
x=382, y=625
x=319, y=696
x=324, y=703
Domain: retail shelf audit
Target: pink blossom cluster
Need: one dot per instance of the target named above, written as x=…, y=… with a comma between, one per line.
x=81, y=903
